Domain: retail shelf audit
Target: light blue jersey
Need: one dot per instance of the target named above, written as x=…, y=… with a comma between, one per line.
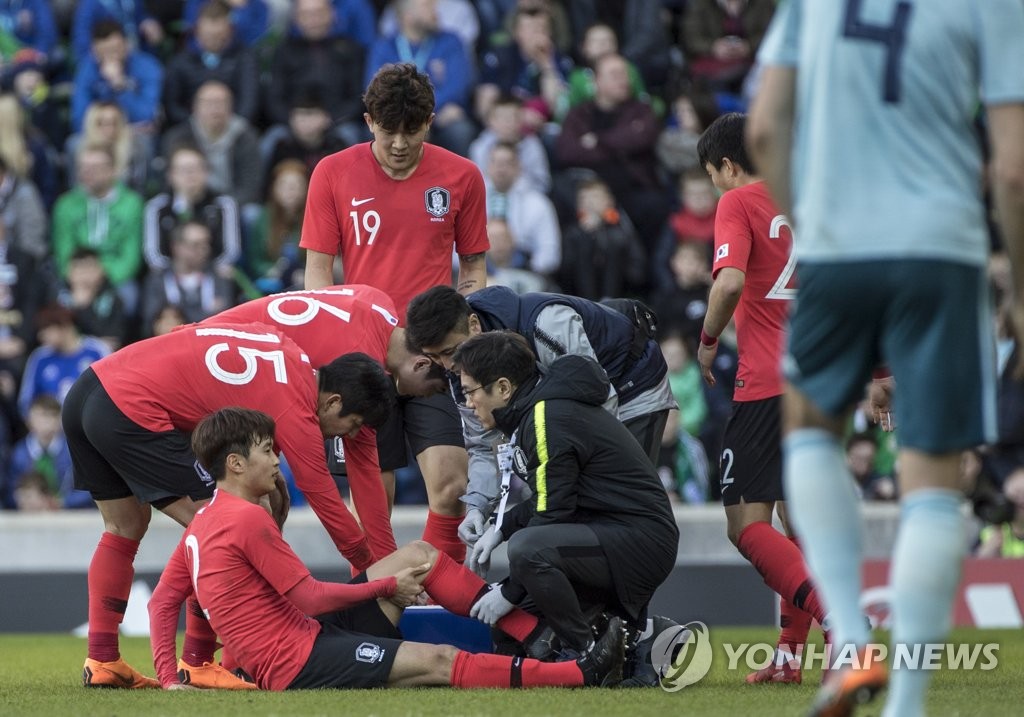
x=887, y=93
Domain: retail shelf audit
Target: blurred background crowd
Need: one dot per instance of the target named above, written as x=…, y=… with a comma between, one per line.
x=155, y=157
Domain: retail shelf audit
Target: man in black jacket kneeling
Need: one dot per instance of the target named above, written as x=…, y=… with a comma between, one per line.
x=598, y=532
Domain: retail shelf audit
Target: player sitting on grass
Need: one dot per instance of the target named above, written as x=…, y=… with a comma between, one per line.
x=257, y=595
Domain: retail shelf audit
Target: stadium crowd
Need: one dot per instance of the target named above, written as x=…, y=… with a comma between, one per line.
x=155, y=159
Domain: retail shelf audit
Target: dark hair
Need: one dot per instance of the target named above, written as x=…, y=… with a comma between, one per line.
x=184, y=146
x=214, y=10
x=46, y=402
x=507, y=98
x=102, y=29
x=308, y=97
x=860, y=437
x=84, y=252
x=724, y=139
x=229, y=430
x=399, y=97
x=364, y=388
x=496, y=354
x=508, y=146
x=433, y=315
x=53, y=315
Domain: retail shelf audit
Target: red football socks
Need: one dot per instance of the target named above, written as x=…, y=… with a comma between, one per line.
x=442, y=531
x=782, y=566
x=485, y=670
x=456, y=589
x=200, y=639
x=110, y=582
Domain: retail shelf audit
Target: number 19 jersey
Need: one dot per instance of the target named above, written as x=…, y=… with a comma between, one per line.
x=396, y=235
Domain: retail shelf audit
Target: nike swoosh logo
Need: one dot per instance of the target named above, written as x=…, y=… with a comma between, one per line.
x=357, y=202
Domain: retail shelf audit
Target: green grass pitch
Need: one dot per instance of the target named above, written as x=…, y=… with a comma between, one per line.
x=39, y=675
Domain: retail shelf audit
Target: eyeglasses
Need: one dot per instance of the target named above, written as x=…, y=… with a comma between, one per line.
x=466, y=393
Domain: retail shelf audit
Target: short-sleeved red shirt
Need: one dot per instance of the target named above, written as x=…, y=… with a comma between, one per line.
x=396, y=235
x=243, y=568
x=171, y=382
x=327, y=323
x=752, y=235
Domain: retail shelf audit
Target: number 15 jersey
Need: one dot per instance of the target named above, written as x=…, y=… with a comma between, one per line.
x=170, y=382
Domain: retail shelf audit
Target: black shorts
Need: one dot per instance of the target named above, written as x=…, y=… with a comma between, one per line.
x=114, y=457
x=421, y=423
x=751, y=462
x=355, y=649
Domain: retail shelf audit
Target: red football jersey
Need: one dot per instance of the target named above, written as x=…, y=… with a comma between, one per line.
x=753, y=236
x=172, y=381
x=327, y=323
x=396, y=235
x=242, y=568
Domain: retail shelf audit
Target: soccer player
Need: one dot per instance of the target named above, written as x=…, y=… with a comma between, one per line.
x=127, y=421
x=393, y=210
x=598, y=532
x=258, y=594
x=340, y=319
x=754, y=284
x=864, y=125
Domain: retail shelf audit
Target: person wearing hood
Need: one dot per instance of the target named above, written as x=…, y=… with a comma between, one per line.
x=598, y=533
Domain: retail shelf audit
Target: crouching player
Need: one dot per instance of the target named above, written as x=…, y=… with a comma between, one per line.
x=257, y=595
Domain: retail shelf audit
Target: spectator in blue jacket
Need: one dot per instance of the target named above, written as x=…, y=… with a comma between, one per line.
x=442, y=57
x=115, y=72
x=140, y=28
x=30, y=23
x=249, y=18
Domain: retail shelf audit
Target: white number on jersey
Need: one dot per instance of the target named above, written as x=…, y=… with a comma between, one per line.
x=728, y=459
x=782, y=291
x=248, y=354
x=192, y=553
x=370, y=223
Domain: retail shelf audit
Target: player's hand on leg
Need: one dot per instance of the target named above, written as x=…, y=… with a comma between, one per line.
x=472, y=527
x=480, y=557
x=409, y=585
x=491, y=607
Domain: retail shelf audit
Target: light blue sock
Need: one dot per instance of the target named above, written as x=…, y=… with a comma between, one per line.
x=925, y=571
x=825, y=510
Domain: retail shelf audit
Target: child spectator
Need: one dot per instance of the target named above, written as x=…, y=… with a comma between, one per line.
x=308, y=138
x=105, y=125
x=861, y=450
x=190, y=281
x=97, y=308
x=62, y=356
x=501, y=265
x=602, y=256
x=33, y=494
x=275, y=261
x=692, y=223
x=103, y=214
x=44, y=451
x=190, y=197
x=505, y=124
x=681, y=306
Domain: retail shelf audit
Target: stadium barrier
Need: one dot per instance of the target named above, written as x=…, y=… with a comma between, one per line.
x=45, y=557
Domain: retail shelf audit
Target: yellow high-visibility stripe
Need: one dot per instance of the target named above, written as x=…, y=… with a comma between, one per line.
x=540, y=429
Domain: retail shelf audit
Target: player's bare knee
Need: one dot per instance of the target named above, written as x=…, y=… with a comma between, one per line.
x=444, y=659
x=420, y=552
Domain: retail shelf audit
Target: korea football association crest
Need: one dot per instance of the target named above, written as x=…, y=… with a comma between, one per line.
x=438, y=201
x=369, y=652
